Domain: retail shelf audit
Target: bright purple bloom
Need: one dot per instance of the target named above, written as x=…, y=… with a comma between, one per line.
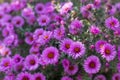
x=97, y=3
x=66, y=78
x=17, y=58
x=99, y=44
x=43, y=20
x=59, y=33
x=65, y=45
x=108, y=52
x=116, y=76
x=66, y=7
x=24, y=76
x=6, y=64
x=119, y=53
x=31, y=62
x=71, y=69
x=29, y=39
x=50, y=55
x=18, y=21
x=75, y=27
x=37, y=33
x=65, y=63
x=95, y=30
x=77, y=50
x=92, y=64
x=100, y=77
x=118, y=67
x=112, y=23
x=40, y=8
x=39, y=76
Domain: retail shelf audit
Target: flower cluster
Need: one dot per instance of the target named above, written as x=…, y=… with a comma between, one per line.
x=60, y=40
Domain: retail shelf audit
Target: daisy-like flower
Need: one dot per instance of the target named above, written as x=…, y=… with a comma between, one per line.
x=66, y=78
x=75, y=26
x=31, y=62
x=50, y=55
x=71, y=69
x=112, y=23
x=65, y=45
x=43, y=20
x=24, y=76
x=100, y=77
x=116, y=76
x=66, y=7
x=77, y=49
x=19, y=67
x=5, y=64
x=94, y=30
x=39, y=76
x=29, y=39
x=5, y=52
x=39, y=8
x=65, y=63
x=99, y=44
x=17, y=58
x=59, y=33
x=18, y=21
x=38, y=32
x=92, y=64
x=108, y=52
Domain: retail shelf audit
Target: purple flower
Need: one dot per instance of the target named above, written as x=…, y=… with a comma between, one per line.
x=31, y=62
x=19, y=67
x=37, y=33
x=92, y=64
x=43, y=20
x=99, y=44
x=66, y=78
x=29, y=39
x=111, y=10
x=66, y=7
x=24, y=76
x=27, y=12
x=65, y=63
x=97, y=3
x=9, y=40
x=116, y=76
x=77, y=49
x=117, y=5
x=75, y=27
x=39, y=76
x=112, y=23
x=108, y=52
x=71, y=69
x=119, y=53
x=18, y=21
x=65, y=45
x=100, y=77
x=17, y=58
x=5, y=51
x=118, y=67
x=50, y=55
x=95, y=30
x=5, y=64
x=59, y=33
x=40, y=8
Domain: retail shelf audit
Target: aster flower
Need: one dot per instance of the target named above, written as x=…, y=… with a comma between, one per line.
x=29, y=39
x=50, y=55
x=37, y=33
x=112, y=23
x=31, y=62
x=118, y=67
x=94, y=30
x=75, y=26
x=59, y=33
x=97, y=3
x=45, y=37
x=5, y=64
x=9, y=40
x=24, y=76
x=65, y=63
x=66, y=7
x=108, y=52
x=99, y=44
x=77, y=50
x=40, y=8
x=66, y=78
x=5, y=52
x=19, y=67
x=65, y=45
x=100, y=77
x=92, y=64
x=49, y=7
x=119, y=52
x=111, y=9
x=43, y=20
x=17, y=58
x=71, y=69
x=18, y=21
x=116, y=76
x=39, y=76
